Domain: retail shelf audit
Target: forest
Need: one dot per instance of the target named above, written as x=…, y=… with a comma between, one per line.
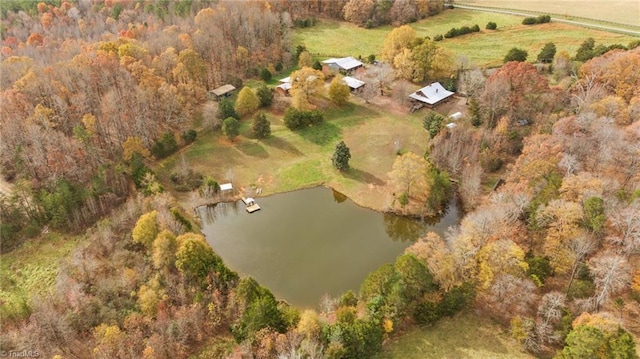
x=95, y=94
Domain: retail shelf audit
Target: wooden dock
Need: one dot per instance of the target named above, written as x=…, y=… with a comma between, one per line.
x=251, y=204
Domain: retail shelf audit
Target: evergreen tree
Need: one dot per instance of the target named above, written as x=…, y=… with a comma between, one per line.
x=226, y=110
x=265, y=95
x=317, y=65
x=547, y=53
x=341, y=156
x=261, y=127
x=516, y=54
x=230, y=127
x=265, y=75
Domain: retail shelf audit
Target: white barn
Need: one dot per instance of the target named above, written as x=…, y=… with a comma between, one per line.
x=432, y=94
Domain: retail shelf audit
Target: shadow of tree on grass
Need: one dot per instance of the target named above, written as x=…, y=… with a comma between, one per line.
x=362, y=176
x=281, y=144
x=321, y=134
x=252, y=149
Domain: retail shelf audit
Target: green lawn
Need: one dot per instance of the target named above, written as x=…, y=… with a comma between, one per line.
x=31, y=270
x=290, y=160
x=486, y=48
x=466, y=336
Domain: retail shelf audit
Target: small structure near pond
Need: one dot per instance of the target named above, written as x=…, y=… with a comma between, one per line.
x=222, y=91
x=251, y=204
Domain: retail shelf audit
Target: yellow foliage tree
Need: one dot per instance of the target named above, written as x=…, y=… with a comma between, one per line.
x=164, y=250
x=247, y=102
x=397, y=40
x=146, y=229
x=309, y=324
x=305, y=83
x=410, y=172
x=562, y=220
x=339, y=91
x=500, y=257
x=134, y=145
x=305, y=59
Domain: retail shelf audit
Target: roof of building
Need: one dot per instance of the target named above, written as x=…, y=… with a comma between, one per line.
x=431, y=94
x=353, y=82
x=286, y=79
x=346, y=63
x=223, y=90
x=456, y=116
x=226, y=186
x=285, y=86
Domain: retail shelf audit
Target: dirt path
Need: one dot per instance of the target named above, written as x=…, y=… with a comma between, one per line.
x=555, y=19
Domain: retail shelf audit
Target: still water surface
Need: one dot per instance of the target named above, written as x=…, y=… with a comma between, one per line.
x=311, y=242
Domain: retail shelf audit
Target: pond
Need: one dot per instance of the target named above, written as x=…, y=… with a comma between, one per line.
x=307, y=243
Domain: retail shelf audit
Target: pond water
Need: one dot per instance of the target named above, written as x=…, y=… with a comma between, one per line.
x=307, y=243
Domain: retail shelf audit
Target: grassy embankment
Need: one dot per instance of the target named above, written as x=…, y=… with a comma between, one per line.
x=466, y=336
x=486, y=48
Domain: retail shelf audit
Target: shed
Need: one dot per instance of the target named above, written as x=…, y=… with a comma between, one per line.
x=285, y=86
x=451, y=125
x=346, y=64
x=226, y=187
x=221, y=91
x=353, y=83
x=432, y=94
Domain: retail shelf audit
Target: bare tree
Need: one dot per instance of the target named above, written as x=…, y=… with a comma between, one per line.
x=611, y=273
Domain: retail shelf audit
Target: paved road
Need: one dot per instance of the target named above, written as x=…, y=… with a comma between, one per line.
x=555, y=19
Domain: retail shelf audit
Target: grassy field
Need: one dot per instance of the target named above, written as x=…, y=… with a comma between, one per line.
x=618, y=11
x=291, y=160
x=466, y=336
x=31, y=270
x=486, y=48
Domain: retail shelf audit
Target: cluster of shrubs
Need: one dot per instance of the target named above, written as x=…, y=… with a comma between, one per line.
x=309, y=22
x=491, y=25
x=461, y=31
x=295, y=119
x=536, y=20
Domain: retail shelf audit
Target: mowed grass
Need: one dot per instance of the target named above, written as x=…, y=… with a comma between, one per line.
x=290, y=160
x=486, y=48
x=618, y=11
x=31, y=270
x=466, y=336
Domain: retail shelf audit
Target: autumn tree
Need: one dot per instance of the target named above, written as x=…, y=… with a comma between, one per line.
x=358, y=11
x=305, y=83
x=597, y=336
x=230, y=127
x=611, y=273
x=341, y=156
x=164, y=250
x=305, y=59
x=247, y=102
x=500, y=257
x=516, y=90
x=410, y=172
x=339, y=91
x=396, y=41
x=196, y=261
x=146, y=229
x=261, y=127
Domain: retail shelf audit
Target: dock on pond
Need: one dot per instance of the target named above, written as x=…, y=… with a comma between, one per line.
x=251, y=204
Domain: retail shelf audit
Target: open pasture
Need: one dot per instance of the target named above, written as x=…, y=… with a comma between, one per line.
x=486, y=48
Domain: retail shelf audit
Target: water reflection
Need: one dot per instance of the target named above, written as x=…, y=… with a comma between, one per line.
x=308, y=243
x=338, y=197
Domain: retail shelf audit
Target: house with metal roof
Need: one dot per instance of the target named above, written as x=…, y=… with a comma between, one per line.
x=431, y=95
